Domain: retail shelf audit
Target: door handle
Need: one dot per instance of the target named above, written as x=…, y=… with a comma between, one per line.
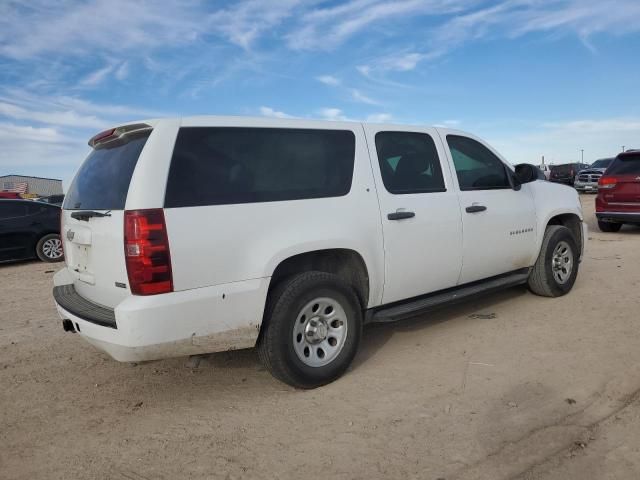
x=400, y=215
x=475, y=208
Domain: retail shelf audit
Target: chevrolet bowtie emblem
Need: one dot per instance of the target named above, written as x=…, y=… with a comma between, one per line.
x=70, y=234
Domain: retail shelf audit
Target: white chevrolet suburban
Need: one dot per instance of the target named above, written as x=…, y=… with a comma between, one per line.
x=195, y=235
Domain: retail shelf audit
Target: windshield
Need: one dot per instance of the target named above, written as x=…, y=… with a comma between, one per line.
x=103, y=180
x=603, y=163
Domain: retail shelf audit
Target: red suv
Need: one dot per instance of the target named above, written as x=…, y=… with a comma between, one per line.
x=618, y=200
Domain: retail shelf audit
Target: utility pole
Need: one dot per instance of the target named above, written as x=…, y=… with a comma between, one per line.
x=582, y=155
x=622, y=148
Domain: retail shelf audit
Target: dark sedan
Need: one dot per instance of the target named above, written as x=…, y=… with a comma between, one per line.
x=28, y=230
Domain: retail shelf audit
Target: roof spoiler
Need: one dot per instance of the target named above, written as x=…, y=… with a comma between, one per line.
x=112, y=134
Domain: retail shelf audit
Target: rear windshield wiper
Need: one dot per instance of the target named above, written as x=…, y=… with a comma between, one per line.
x=85, y=215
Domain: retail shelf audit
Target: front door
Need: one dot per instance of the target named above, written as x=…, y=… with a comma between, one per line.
x=499, y=222
x=420, y=212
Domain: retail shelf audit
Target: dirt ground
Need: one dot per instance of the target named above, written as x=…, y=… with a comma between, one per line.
x=531, y=388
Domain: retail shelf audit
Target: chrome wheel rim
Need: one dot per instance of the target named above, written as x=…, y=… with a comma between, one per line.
x=320, y=332
x=562, y=262
x=52, y=248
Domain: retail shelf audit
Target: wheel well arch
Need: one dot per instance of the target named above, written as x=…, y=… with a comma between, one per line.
x=572, y=222
x=345, y=263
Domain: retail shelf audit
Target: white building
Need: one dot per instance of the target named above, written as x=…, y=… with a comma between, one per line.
x=39, y=186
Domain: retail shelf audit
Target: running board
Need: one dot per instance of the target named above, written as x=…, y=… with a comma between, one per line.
x=416, y=306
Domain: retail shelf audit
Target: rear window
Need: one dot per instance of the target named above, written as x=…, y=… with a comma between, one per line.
x=103, y=180
x=562, y=168
x=625, y=164
x=227, y=165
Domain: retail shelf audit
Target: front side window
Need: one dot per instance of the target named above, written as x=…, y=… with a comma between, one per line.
x=229, y=165
x=409, y=163
x=477, y=167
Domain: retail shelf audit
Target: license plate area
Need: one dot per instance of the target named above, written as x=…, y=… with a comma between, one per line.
x=79, y=247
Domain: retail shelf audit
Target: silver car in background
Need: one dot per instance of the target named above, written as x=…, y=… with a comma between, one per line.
x=587, y=179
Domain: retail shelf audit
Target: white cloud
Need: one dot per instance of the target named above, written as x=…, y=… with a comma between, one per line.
x=328, y=27
x=358, y=96
x=451, y=123
x=331, y=113
x=30, y=101
x=379, y=118
x=246, y=21
x=67, y=118
x=20, y=133
x=270, y=112
x=329, y=80
x=96, y=77
x=123, y=71
x=400, y=62
x=78, y=28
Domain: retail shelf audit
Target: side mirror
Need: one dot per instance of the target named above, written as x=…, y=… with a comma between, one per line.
x=527, y=173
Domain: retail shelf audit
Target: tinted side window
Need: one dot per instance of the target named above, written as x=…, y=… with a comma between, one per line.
x=12, y=209
x=102, y=183
x=625, y=165
x=476, y=166
x=225, y=165
x=409, y=162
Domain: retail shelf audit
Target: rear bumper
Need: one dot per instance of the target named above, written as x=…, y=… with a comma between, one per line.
x=203, y=320
x=619, y=217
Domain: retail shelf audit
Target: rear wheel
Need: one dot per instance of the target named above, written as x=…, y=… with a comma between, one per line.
x=609, y=226
x=555, y=271
x=49, y=248
x=311, y=330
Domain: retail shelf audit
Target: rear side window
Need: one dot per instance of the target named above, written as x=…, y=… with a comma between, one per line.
x=625, y=165
x=226, y=165
x=103, y=180
x=477, y=167
x=12, y=209
x=409, y=163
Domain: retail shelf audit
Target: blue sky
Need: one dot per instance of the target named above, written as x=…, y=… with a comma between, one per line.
x=532, y=77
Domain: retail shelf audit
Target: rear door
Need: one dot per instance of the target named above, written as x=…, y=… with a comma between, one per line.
x=421, y=220
x=93, y=240
x=625, y=196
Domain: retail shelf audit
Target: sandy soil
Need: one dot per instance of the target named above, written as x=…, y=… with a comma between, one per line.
x=542, y=389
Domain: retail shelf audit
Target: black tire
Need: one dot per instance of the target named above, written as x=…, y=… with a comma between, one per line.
x=284, y=304
x=609, y=227
x=45, y=253
x=542, y=280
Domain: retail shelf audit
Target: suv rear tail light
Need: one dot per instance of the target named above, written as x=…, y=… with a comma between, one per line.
x=607, y=183
x=146, y=251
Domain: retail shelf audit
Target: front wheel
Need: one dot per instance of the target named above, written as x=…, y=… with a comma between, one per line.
x=311, y=329
x=49, y=248
x=555, y=271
